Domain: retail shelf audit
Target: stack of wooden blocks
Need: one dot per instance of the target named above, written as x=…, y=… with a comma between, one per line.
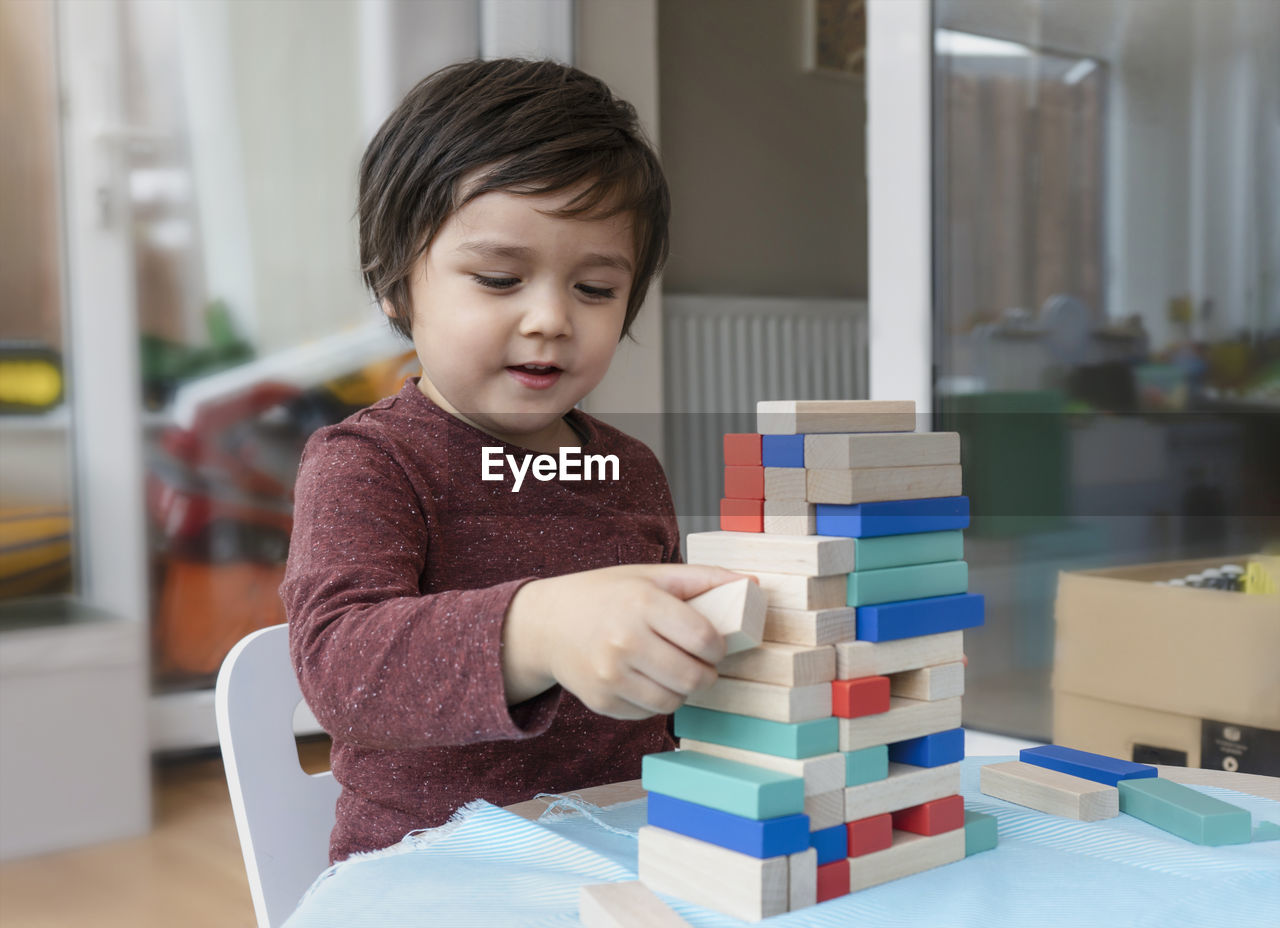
x=827, y=759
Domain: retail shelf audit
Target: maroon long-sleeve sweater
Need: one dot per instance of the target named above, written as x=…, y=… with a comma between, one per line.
x=401, y=567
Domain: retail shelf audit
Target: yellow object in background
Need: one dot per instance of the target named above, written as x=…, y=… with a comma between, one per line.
x=30, y=380
x=35, y=551
x=1262, y=575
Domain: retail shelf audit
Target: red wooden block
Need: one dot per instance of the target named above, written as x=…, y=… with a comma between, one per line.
x=851, y=699
x=868, y=835
x=833, y=879
x=742, y=450
x=931, y=818
x=742, y=515
x=744, y=482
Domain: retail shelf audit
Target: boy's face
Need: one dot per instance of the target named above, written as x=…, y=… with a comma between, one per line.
x=517, y=314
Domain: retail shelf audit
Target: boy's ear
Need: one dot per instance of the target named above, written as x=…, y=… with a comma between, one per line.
x=387, y=309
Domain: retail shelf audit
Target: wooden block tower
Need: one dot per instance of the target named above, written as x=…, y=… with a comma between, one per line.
x=826, y=759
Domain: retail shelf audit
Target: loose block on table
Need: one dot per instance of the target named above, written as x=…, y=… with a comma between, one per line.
x=1185, y=812
x=782, y=664
x=807, y=555
x=883, y=551
x=789, y=517
x=899, y=517
x=881, y=449
x=830, y=843
x=802, y=879
x=909, y=854
x=851, y=699
x=943, y=747
x=743, y=482
x=868, y=835
x=833, y=879
x=911, y=618
x=893, y=584
x=742, y=449
x=941, y=681
x=804, y=739
x=932, y=817
x=624, y=905
x=866, y=765
x=810, y=626
x=739, y=789
x=906, y=718
x=881, y=484
x=785, y=483
x=867, y=658
x=782, y=450
x=745, y=887
x=736, y=609
x=1096, y=767
x=821, y=774
x=905, y=786
x=768, y=837
x=792, y=417
x=1049, y=791
x=765, y=700
x=980, y=832
x=742, y=515
x=795, y=591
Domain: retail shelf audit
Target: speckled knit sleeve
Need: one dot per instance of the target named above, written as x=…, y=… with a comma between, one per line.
x=382, y=665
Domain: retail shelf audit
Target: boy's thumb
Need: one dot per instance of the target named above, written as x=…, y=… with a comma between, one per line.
x=685, y=581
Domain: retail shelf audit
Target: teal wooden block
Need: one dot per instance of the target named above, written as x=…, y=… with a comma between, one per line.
x=1182, y=811
x=782, y=739
x=980, y=832
x=727, y=785
x=866, y=766
x=918, y=581
x=906, y=550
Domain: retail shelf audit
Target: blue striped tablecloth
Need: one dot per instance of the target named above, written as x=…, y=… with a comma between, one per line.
x=492, y=869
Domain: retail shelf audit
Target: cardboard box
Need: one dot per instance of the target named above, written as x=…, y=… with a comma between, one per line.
x=1161, y=674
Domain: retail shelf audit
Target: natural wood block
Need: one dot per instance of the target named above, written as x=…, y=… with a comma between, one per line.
x=624, y=905
x=932, y=817
x=810, y=626
x=806, y=555
x=744, y=482
x=825, y=810
x=790, y=517
x=909, y=854
x=881, y=484
x=905, y=786
x=1185, y=812
x=980, y=832
x=917, y=583
x=785, y=483
x=881, y=449
x=871, y=834
x=742, y=449
x=739, y=789
x=737, y=610
x=795, y=417
x=883, y=551
x=736, y=884
x=851, y=699
x=821, y=774
x=1049, y=791
x=906, y=718
x=782, y=664
x=941, y=681
x=765, y=700
x=742, y=515
x=866, y=658
x=833, y=880
x=802, y=878
x=794, y=591
x=800, y=739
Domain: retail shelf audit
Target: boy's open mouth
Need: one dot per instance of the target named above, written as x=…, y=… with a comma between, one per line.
x=536, y=376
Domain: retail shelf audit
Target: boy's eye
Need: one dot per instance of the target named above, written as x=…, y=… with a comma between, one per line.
x=603, y=292
x=495, y=283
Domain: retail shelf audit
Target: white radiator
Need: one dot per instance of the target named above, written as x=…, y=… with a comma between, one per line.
x=722, y=354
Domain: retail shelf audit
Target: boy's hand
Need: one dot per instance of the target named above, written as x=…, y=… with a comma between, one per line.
x=621, y=639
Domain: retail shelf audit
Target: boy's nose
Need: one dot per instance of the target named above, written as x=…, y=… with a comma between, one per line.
x=547, y=314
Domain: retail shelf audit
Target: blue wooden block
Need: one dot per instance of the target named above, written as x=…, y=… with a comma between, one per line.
x=895, y=517
x=782, y=450
x=910, y=618
x=770, y=837
x=944, y=747
x=1096, y=767
x=831, y=843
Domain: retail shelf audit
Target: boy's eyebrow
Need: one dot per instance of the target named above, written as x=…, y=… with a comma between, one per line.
x=489, y=249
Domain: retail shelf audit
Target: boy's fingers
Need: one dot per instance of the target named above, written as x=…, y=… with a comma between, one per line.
x=685, y=581
x=690, y=631
x=671, y=667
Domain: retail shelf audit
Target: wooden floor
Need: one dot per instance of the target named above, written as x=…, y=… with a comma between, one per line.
x=187, y=872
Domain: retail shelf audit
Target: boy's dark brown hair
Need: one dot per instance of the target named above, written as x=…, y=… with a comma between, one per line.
x=539, y=127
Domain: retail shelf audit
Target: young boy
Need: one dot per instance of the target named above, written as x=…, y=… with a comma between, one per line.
x=455, y=638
